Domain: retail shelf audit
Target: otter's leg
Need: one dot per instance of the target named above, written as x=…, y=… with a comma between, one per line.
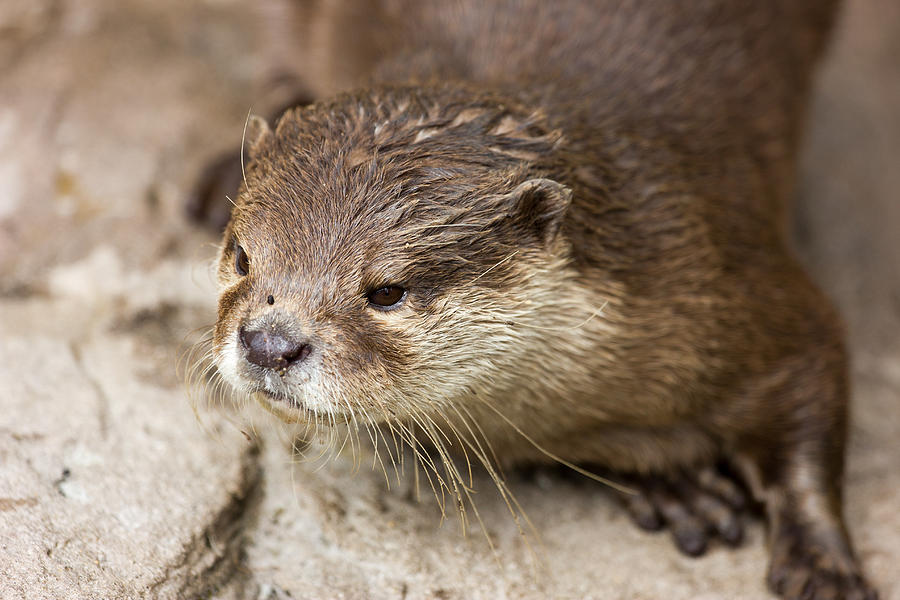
x=696, y=506
x=794, y=464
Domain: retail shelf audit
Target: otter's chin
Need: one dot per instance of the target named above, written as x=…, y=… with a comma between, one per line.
x=293, y=410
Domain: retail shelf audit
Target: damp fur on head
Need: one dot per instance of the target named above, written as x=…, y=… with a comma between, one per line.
x=448, y=194
x=346, y=196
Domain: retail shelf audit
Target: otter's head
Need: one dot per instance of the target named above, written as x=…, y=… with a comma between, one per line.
x=390, y=253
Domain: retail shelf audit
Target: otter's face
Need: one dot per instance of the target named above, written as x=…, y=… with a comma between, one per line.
x=379, y=261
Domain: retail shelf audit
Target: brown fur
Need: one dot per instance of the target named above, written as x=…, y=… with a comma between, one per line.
x=586, y=202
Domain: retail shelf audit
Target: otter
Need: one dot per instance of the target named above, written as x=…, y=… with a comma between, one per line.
x=558, y=231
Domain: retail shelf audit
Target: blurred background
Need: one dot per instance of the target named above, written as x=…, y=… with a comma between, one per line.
x=110, y=488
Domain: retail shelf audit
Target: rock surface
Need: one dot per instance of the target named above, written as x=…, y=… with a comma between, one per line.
x=111, y=488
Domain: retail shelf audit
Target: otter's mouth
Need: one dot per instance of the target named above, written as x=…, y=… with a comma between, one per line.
x=284, y=407
x=294, y=411
x=268, y=396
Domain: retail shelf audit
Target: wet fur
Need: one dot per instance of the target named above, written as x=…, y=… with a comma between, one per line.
x=590, y=225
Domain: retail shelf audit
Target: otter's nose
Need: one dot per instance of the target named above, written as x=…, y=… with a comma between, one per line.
x=272, y=350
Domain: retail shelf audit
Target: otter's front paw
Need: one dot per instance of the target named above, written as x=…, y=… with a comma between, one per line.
x=696, y=507
x=806, y=566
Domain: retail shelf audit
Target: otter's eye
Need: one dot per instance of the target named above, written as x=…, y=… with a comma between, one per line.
x=241, y=260
x=388, y=297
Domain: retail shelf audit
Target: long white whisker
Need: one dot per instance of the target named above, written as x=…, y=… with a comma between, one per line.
x=243, y=138
x=494, y=266
x=560, y=460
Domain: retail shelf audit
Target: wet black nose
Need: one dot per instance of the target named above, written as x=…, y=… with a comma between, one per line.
x=272, y=350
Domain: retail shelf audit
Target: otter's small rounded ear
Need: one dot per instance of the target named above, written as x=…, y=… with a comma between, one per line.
x=539, y=205
x=256, y=133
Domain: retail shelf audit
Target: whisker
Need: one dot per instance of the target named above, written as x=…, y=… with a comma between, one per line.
x=494, y=266
x=594, y=314
x=487, y=442
x=243, y=138
x=479, y=225
x=399, y=458
x=512, y=503
x=562, y=461
x=467, y=492
x=374, y=439
x=426, y=461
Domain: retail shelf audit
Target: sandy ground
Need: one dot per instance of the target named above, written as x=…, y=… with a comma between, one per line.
x=109, y=488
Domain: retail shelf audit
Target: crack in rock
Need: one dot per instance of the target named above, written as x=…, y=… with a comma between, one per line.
x=212, y=559
x=104, y=402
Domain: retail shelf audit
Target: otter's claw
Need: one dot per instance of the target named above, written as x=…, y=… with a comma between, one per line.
x=814, y=565
x=695, y=507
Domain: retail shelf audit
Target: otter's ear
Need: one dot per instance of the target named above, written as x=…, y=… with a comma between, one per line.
x=256, y=134
x=538, y=205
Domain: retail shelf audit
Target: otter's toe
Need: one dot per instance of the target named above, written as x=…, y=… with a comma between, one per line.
x=714, y=482
x=689, y=531
x=809, y=565
x=643, y=513
x=695, y=506
x=717, y=514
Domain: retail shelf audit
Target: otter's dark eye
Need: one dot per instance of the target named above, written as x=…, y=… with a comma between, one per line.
x=241, y=260
x=388, y=297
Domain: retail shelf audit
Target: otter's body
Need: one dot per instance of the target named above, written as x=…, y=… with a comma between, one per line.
x=558, y=230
